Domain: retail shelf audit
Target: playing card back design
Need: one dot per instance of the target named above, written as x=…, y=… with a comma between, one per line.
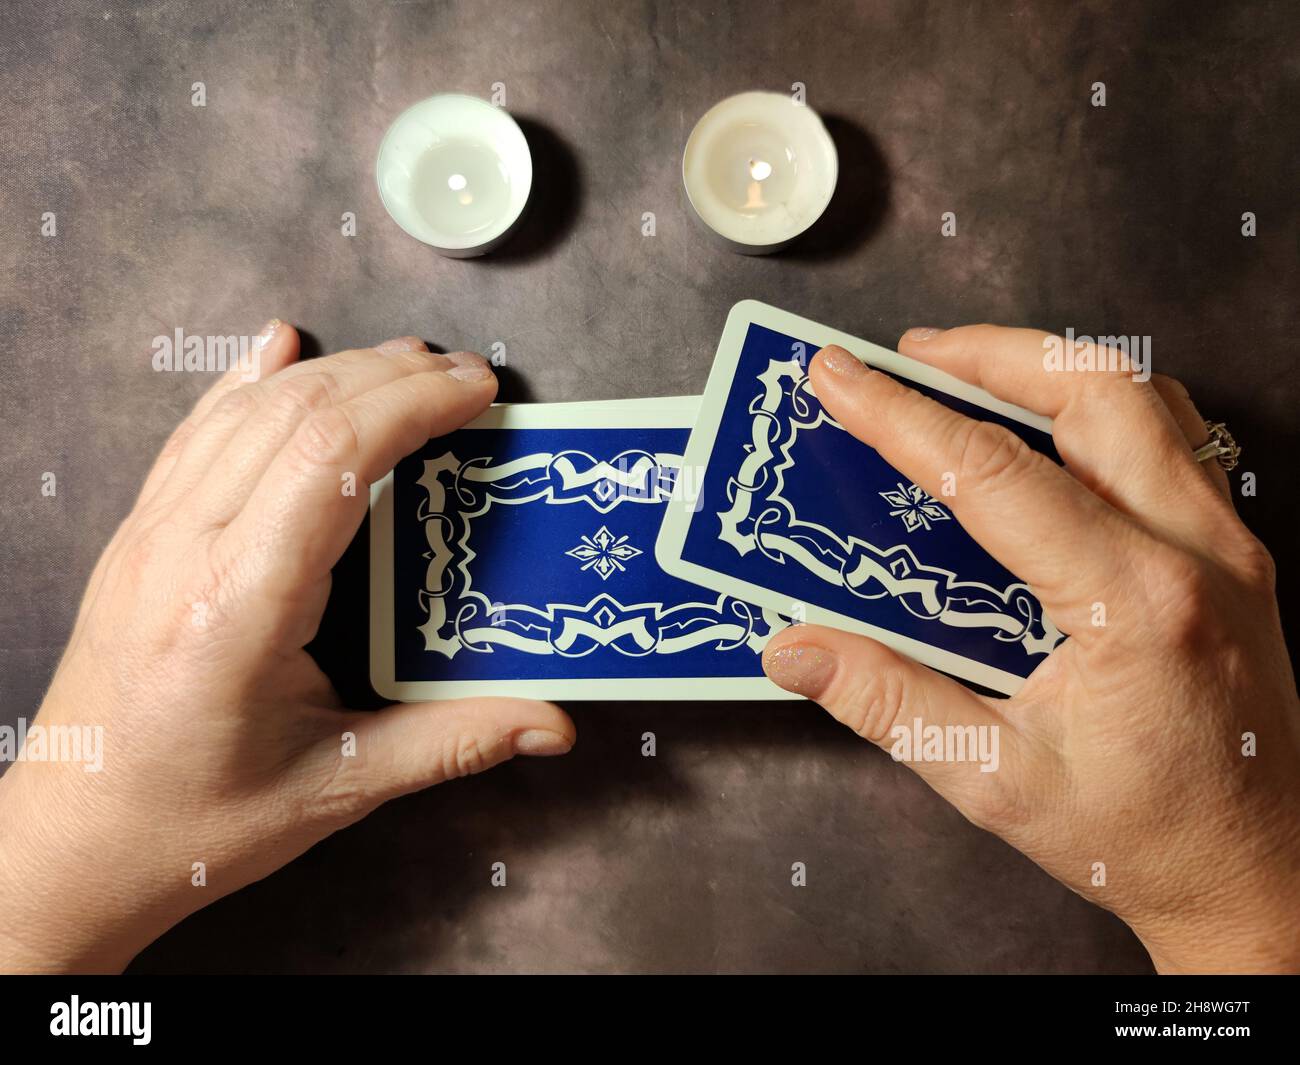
x=762, y=517
x=788, y=510
x=524, y=553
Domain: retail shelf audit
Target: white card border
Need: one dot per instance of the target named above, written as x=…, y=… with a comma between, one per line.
x=671, y=413
x=699, y=448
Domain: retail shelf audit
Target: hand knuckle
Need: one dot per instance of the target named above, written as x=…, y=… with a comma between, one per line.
x=1165, y=382
x=1258, y=566
x=208, y=595
x=874, y=703
x=326, y=437
x=176, y=443
x=145, y=552
x=1180, y=588
x=997, y=804
x=301, y=396
x=462, y=756
x=972, y=339
x=137, y=561
x=345, y=796
x=236, y=405
x=989, y=454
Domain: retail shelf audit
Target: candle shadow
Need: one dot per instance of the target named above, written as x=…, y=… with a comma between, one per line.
x=554, y=202
x=861, y=198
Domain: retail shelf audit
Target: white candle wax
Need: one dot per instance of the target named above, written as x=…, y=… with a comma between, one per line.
x=759, y=169
x=455, y=172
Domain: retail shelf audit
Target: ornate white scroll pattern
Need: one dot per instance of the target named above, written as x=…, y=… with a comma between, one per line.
x=461, y=617
x=761, y=519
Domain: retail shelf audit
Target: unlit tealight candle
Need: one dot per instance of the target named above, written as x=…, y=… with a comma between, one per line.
x=455, y=172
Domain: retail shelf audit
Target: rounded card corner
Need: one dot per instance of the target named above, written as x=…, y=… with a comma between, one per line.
x=745, y=308
x=662, y=557
x=383, y=686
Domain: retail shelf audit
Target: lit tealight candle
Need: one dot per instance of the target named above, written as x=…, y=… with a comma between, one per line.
x=455, y=172
x=759, y=169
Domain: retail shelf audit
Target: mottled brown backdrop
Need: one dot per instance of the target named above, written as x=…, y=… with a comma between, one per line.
x=1125, y=219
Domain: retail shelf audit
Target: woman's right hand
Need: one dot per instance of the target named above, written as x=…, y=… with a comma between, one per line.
x=1151, y=763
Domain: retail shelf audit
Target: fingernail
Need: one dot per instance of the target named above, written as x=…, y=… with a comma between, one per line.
x=400, y=344
x=541, y=743
x=800, y=668
x=922, y=332
x=839, y=361
x=268, y=331
x=466, y=366
x=464, y=358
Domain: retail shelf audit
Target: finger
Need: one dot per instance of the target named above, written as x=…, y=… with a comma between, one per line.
x=398, y=344
x=251, y=448
x=1013, y=500
x=277, y=346
x=1113, y=432
x=223, y=438
x=1192, y=426
x=893, y=701
x=1006, y=361
x=411, y=746
x=308, y=504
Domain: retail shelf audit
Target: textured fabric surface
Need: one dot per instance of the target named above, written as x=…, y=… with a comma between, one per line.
x=1117, y=220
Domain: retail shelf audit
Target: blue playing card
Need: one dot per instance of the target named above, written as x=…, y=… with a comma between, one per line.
x=520, y=556
x=790, y=511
